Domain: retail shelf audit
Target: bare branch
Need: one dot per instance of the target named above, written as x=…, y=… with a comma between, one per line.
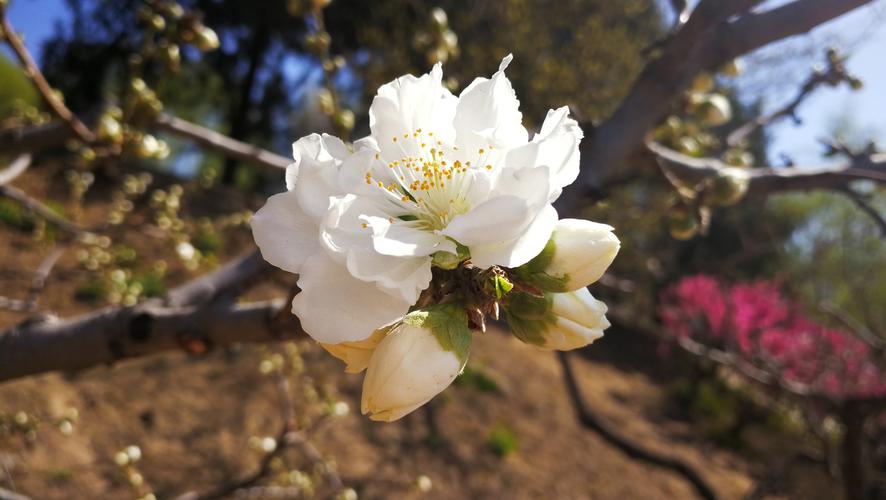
x=11, y=495
x=36, y=138
x=832, y=76
x=229, y=147
x=765, y=181
x=592, y=421
x=859, y=329
x=42, y=210
x=17, y=168
x=40, y=276
x=866, y=207
x=112, y=334
x=229, y=280
x=46, y=91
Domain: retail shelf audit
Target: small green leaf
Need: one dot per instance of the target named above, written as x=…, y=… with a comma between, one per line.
x=502, y=286
x=449, y=260
x=535, y=273
x=529, y=317
x=449, y=323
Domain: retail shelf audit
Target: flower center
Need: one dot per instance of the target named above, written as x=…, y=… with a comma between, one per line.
x=430, y=181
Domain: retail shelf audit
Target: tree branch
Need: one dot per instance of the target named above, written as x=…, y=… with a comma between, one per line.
x=832, y=76
x=707, y=41
x=42, y=210
x=15, y=169
x=592, y=421
x=866, y=207
x=46, y=91
x=765, y=181
x=193, y=317
x=215, y=141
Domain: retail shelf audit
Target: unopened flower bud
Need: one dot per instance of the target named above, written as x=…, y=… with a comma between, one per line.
x=206, y=39
x=356, y=355
x=732, y=68
x=703, y=83
x=713, y=110
x=682, y=224
x=561, y=321
x=580, y=320
x=729, y=186
x=577, y=255
x=414, y=362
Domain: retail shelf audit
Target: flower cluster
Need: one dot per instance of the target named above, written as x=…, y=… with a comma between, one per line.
x=405, y=240
x=756, y=321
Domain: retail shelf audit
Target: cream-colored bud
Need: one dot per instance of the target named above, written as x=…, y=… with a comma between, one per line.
x=407, y=369
x=356, y=355
x=206, y=39
x=582, y=252
x=714, y=110
x=580, y=320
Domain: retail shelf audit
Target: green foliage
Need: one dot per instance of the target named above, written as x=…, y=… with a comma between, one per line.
x=478, y=379
x=502, y=440
x=529, y=317
x=533, y=272
x=151, y=283
x=835, y=254
x=14, y=216
x=208, y=241
x=15, y=87
x=92, y=292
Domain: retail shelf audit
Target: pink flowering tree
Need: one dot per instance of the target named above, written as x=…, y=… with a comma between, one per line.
x=759, y=332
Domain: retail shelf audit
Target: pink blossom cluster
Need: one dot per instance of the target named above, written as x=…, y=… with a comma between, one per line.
x=757, y=322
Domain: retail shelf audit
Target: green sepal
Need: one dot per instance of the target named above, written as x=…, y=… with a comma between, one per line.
x=529, y=317
x=449, y=323
x=502, y=286
x=535, y=273
x=449, y=260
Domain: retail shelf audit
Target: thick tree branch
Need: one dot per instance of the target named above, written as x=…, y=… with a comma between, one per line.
x=229, y=280
x=707, y=41
x=112, y=334
x=46, y=91
x=765, y=181
x=195, y=317
x=592, y=421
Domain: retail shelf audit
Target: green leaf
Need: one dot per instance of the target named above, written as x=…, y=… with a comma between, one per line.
x=449, y=260
x=529, y=317
x=449, y=323
x=535, y=273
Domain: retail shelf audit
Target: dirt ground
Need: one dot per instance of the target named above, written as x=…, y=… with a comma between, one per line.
x=192, y=417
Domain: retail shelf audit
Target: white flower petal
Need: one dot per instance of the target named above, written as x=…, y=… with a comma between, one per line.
x=496, y=220
x=556, y=146
x=314, y=174
x=397, y=238
x=401, y=277
x=351, y=243
x=522, y=249
x=408, y=104
x=285, y=235
x=335, y=307
x=488, y=113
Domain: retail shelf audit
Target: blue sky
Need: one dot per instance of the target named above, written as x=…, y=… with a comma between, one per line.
x=862, y=33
